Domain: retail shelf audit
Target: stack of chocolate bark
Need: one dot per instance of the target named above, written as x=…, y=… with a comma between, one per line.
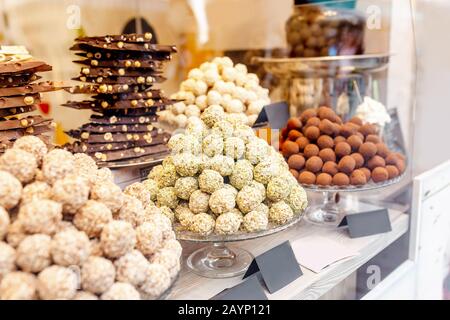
x=20, y=94
x=120, y=71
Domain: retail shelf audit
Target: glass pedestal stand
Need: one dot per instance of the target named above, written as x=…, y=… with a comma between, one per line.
x=218, y=259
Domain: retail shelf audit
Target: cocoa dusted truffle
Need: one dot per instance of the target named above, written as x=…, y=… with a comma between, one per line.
x=375, y=161
x=338, y=139
x=311, y=150
x=346, y=164
x=289, y=148
x=359, y=160
x=294, y=135
x=355, y=142
x=342, y=149
x=330, y=167
x=358, y=178
x=307, y=114
x=366, y=172
x=368, y=150
x=324, y=179
x=294, y=173
x=302, y=142
x=296, y=162
x=314, y=164
x=341, y=179
x=327, y=127
x=348, y=129
x=326, y=113
x=393, y=172
x=392, y=159
x=312, y=133
x=380, y=174
x=314, y=121
x=307, y=177
x=327, y=154
x=367, y=129
x=356, y=120
x=382, y=150
x=373, y=138
x=294, y=123
x=325, y=141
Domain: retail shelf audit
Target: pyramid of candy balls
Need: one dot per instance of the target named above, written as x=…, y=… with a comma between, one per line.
x=120, y=71
x=20, y=94
x=222, y=179
x=68, y=232
x=221, y=84
x=322, y=150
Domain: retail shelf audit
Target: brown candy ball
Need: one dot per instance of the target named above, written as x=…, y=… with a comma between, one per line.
x=373, y=138
x=375, y=161
x=307, y=114
x=342, y=149
x=392, y=159
x=354, y=141
x=294, y=135
x=348, y=129
x=341, y=179
x=312, y=133
x=346, y=165
x=314, y=164
x=327, y=154
x=368, y=150
x=294, y=123
x=330, y=167
x=380, y=174
x=314, y=121
x=289, y=148
x=367, y=173
x=356, y=120
x=359, y=160
x=339, y=139
x=400, y=156
x=325, y=142
x=302, y=142
x=382, y=150
x=296, y=162
x=358, y=178
x=367, y=129
x=392, y=171
x=324, y=179
x=326, y=113
x=311, y=150
x=294, y=173
x=326, y=127
x=307, y=177
x=401, y=166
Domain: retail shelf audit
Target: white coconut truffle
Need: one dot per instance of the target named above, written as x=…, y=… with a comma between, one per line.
x=10, y=190
x=181, y=120
x=156, y=282
x=40, y=216
x=242, y=174
x=18, y=286
x=185, y=186
x=228, y=223
x=57, y=164
x=236, y=118
x=19, y=163
x=255, y=221
x=184, y=144
x=7, y=258
x=184, y=216
x=186, y=164
x=200, y=88
x=211, y=76
x=242, y=68
x=33, y=253
x=214, y=113
x=57, y=283
x=92, y=217
x=187, y=96
x=280, y=212
x=222, y=164
x=121, y=291
x=84, y=165
x=84, y=295
x=149, y=238
x=256, y=150
x=166, y=211
x=222, y=200
x=266, y=170
x=234, y=147
x=36, y=190
x=161, y=222
x=138, y=191
x=224, y=128
x=70, y=247
x=132, y=268
x=201, y=102
x=234, y=106
x=262, y=208
x=152, y=186
x=210, y=181
x=4, y=223
x=167, y=259
x=72, y=192
x=33, y=145
x=195, y=74
x=243, y=132
x=192, y=111
x=156, y=170
x=278, y=189
x=248, y=198
x=255, y=107
x=202, y=223
x=167, y=197
x=252, y=119
x=97, y=275
x=174, y=246
x=131, y=211
x=178, y=108
x=117, y=238
x=297, y=200
x=109, y=194
x=102, y=175
x=187, y=85
x=212, y=145
x=15, y=233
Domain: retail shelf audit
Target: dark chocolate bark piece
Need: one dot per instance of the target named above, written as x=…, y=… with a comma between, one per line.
x=18, y=80
x=25, y=122
x=130, y=153
x=29, y=89
x=100, y=119
x=17, y=110
x=27, y=66
x=20, y=101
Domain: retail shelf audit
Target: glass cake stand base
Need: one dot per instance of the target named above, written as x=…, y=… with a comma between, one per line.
x=326, y=214
x=219, y=261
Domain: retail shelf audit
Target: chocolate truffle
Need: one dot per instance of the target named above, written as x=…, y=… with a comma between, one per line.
x=307, y=177
x=327, y=155
x=294, y=135
x=373, y=138
x=294, y=173
x=342, y=149
x=314, y=164
x=356, y=120
x=375, y=161
x=367, y=129
x=314, y=121
x=326, y=113
x=346, y=164
x=302, y=142
x=368, y=150
x=401, y=166
x=348, y=129
x=354, y=141
x=326, y=127
x=325, y=141
x=366, y=172
x=392, y=171
x=336, y=128
x=341, y=179
x=330, y=167
x=359, y=160
x=392, y=159
x=296, y=162
x=358, y=178
x=382, y=150
x=311, y=150
x=312, y=133
x=307, y=114
x=324, y=179
x=339, y=139
x=289, y=148
x=294, y=123
x=380, y=174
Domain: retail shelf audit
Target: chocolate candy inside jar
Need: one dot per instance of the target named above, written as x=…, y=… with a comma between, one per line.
x=318, y=31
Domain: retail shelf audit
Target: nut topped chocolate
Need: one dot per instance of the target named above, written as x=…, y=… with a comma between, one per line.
x=120, y=72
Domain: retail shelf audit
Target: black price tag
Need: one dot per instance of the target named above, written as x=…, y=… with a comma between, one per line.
x=250, y=289
x=274, y=116
x=368, y=223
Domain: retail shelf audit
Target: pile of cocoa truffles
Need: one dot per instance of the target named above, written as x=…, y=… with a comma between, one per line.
x=322, y=150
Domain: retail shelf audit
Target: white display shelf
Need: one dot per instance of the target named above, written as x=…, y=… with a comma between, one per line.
x=309, y=286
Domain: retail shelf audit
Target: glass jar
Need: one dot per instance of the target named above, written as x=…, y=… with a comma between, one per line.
x=318, y=31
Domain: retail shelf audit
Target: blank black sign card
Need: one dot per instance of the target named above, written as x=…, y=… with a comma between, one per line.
x=250, y=289
x=274, y=115
x=278, y=267
x=368, y=223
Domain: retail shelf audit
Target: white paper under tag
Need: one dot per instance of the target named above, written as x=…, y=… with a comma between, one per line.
x=316, y=252
x=12, y=50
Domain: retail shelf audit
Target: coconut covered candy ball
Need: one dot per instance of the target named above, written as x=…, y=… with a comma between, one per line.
x=217, y=83
x=323, y=150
